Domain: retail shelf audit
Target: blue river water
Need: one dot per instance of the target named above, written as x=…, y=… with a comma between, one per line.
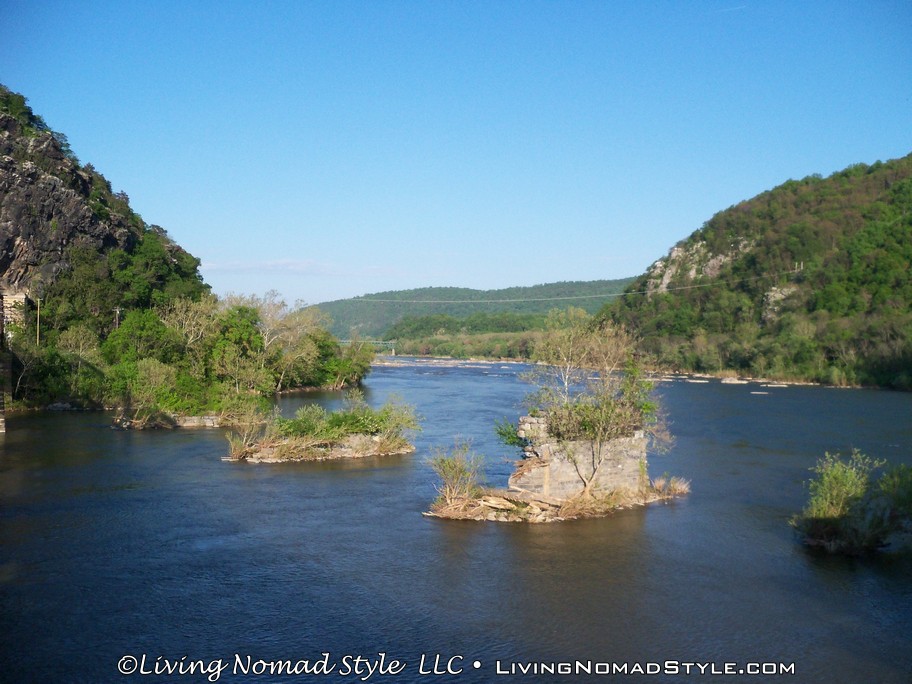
x=124, y=554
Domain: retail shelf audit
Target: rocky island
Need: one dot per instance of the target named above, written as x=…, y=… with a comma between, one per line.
x=356, y=431
x=550, y=483
x=585, y=441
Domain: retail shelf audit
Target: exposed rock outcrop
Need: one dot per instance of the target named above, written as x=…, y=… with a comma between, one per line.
x=46, y=207
x=773, y=301
x=686, y=262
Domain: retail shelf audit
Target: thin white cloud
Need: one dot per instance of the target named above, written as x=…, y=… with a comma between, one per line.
x=306, y=267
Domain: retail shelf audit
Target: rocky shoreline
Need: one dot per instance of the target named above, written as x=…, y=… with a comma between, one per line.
x=505, y=505
x=293, y=449
x=657, y=375
x=165, y=421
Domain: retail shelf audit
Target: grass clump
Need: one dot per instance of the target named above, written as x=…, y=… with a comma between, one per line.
x=667, y=487
x=460, y=474
x=849, y=510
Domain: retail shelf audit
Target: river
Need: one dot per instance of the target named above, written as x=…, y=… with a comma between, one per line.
x=147, y=545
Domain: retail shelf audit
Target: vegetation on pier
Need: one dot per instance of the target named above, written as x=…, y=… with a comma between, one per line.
x=590, y=394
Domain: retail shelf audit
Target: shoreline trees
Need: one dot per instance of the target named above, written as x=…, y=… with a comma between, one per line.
x=184, y=357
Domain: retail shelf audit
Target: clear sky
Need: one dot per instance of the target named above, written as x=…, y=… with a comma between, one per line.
x=333, y=148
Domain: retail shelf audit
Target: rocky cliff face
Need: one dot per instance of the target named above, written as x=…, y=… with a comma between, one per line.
x=692, y=261
x=47, y=205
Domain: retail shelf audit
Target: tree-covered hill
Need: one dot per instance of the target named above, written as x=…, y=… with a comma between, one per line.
x=374, y=314
x=810, y=280
x=117, y=314
x=67, y=238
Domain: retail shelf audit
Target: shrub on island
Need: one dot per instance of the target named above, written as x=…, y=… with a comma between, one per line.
x=355, y=431
x=851, y=512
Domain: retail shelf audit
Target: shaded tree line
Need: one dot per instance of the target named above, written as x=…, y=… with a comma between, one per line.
x=413, y=327
x=374, y=314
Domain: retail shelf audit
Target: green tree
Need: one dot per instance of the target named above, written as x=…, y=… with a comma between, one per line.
x=351, y=365
x=563, y=352
x=155, y=272
x=141, y=335
x=80, y=346
x=196, y=324
x=84, y=294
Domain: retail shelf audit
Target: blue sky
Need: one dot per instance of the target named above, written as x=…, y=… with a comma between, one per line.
x=330, y=149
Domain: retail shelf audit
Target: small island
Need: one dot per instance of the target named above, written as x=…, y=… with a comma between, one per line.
x=584, y=443
x=858, y=505
x=555, y=480
x=356, y=431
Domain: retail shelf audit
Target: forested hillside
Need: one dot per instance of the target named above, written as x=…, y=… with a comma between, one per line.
x=374, y=314
x=810, y=280
x=116, y=313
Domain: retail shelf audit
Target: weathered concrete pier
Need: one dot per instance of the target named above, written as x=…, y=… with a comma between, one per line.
x=12, y=308
x=4, y=365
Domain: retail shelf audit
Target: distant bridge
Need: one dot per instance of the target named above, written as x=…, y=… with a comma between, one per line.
x=378, y=345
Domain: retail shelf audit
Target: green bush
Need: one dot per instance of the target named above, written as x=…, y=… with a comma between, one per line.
x=848, y=511
x=839, y=484
x=389, y=421
x=508, y=434
x=309, y=420
x=896, y=485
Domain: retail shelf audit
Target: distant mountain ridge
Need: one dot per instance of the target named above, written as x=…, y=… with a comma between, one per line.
x=371, y=315
x=810, y=280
